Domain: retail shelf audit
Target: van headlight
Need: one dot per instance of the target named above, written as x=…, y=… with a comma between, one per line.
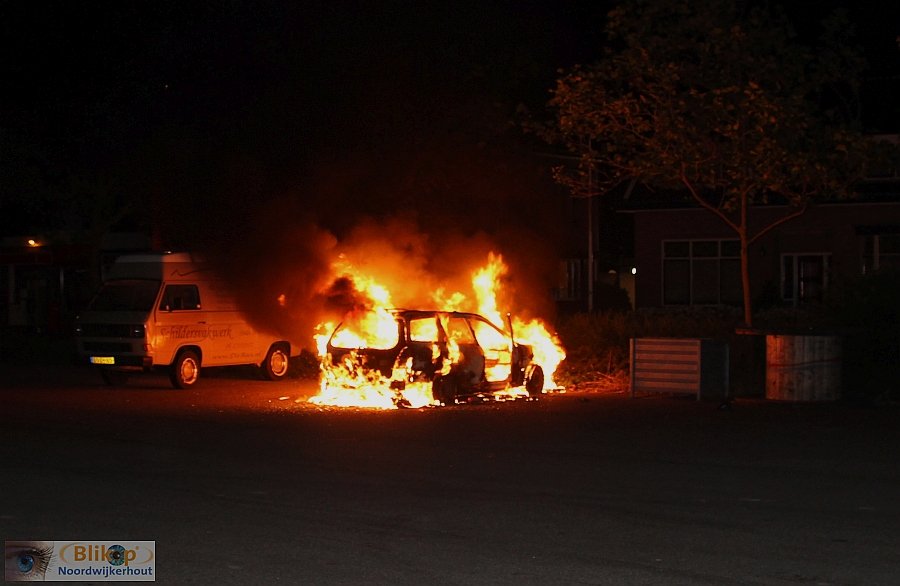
x=137, y=331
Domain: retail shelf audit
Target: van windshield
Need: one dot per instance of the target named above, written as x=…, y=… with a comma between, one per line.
x=126, y=295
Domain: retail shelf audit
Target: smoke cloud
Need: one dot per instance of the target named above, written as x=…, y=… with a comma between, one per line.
x=286, y=282
x=419, y=206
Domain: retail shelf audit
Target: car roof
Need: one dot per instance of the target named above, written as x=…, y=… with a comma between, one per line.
x=419, y=313
x=427, y=312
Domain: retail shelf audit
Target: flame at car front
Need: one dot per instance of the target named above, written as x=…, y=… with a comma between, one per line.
x=349, y=381
x=349, y=384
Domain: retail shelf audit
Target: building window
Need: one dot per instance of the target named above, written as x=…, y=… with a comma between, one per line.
x=571, y=284
x=701, y=272
x=880, y=252
x=804, y=277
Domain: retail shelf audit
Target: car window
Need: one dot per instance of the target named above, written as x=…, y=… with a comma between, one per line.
x=423, y=329
x=490, y=337
x=375, y=330
x=459, y=331
x=180, y=297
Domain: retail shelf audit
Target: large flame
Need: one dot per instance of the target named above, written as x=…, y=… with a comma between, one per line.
x=371, y=325
x=547, y=350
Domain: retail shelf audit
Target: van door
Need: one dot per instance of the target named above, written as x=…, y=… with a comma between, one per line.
x=180, y=320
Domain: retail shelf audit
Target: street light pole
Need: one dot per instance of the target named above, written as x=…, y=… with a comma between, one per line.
x=588, y=196
x=590, y=251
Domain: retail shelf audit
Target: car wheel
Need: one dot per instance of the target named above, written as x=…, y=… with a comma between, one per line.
x=113, y=378
x=534, y=380
x=277, y=362
x=185, y=369
x=444, y=389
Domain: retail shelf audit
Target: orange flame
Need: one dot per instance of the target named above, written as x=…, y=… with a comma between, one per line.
x=548, y=351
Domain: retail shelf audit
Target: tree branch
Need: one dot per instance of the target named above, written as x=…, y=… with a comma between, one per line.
x=705, y=204
x=779, y=222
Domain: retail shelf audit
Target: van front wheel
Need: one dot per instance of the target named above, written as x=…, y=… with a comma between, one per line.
x=276, y=364
x=185, y=369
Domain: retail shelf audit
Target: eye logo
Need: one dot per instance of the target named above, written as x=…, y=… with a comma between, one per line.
x=26, y=561
x=115, y=555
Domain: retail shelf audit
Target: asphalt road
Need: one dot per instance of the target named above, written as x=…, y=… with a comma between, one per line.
x=243, y=482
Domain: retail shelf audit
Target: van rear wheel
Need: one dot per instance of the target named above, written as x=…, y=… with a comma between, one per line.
x=185, y=370
x=277, y=363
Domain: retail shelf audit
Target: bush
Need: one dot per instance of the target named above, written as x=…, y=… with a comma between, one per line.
x=865, y=313
x=597, y=344
x=19, y=346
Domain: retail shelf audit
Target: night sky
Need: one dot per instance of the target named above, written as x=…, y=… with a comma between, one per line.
x=263, y=133
x=252, y=100
x=235, y=127
x=268, y=98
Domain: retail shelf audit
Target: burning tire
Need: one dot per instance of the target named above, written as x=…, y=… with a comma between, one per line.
x=444, y=389
x=185, y=370
x=534, y=380
x=277, y=363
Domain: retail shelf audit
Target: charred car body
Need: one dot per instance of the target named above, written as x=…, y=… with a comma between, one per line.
x=463, y=355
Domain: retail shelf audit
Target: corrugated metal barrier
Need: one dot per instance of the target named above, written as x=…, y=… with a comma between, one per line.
x=679, y=365
x=803, y=368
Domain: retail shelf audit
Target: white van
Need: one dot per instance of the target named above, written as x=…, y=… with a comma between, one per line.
x=166, y=310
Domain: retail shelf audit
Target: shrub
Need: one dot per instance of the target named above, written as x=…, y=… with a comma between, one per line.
x=597, y=344
x=865, y=313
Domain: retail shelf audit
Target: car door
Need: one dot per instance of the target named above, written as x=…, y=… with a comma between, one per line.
x=464, y=350
x=495, y=347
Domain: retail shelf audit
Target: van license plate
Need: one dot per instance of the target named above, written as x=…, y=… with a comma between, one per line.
x=103, y=360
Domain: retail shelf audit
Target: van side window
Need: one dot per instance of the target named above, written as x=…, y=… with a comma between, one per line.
x=180, y=297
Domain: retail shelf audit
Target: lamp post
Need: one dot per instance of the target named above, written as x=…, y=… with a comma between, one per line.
x=590, y=243
x=584, y=189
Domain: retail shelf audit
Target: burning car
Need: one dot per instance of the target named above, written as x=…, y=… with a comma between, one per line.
x=454, y=355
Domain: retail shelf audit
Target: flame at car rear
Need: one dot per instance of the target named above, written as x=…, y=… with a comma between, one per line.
x=548, y=352
x=369, y=324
